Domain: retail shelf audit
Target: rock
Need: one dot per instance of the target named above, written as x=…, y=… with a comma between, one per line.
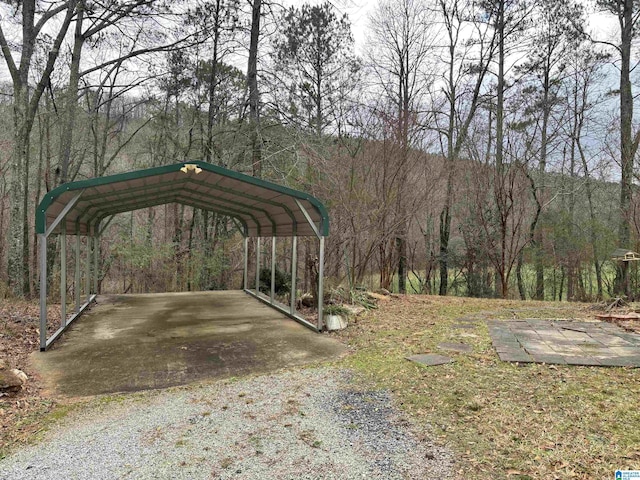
x=378, y=296
x=20, y=374
x=382, y=291
x=335, y=322
x=3, y=364
x=11, y=380
x=355, y=310
x=306, y=300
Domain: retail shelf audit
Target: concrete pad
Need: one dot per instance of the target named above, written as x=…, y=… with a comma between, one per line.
x=566, y=343
x=583, y=360
x=520, y=357
x=138, y=342
x=551, y=359
x=430, y=359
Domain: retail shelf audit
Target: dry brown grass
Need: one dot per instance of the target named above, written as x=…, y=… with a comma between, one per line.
x=502, y=420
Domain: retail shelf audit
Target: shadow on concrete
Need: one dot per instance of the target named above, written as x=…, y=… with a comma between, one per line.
x=139, y=342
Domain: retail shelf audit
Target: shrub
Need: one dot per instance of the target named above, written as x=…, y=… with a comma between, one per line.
x=282, y=281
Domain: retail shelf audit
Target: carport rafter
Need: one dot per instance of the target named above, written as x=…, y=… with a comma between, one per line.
x=132, y=200
x=178, y=198
x=253, y=204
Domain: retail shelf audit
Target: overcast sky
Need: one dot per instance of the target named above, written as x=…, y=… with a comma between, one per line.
x=603, y=26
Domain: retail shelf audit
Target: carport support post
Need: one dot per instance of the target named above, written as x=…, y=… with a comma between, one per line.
x=96, y=260
x=76, y=289
x=257, y=265
x=321, y=284
x=42, y=239
x=63, y=276
x=294, y=267
x=246, y=262
x=87, y=280
x=273, y=269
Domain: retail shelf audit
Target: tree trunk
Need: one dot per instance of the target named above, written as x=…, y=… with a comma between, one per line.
x=254, y=96
x=521, y=289
x=627, y=149
x=499, y=182
x=211, y=114
x=15, y=265
x=70, y=107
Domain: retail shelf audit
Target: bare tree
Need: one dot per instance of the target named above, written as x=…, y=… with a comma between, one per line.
x=508, y=18
x=467, y=60
x=402, y=36
x=35, y=18
x=554, y=33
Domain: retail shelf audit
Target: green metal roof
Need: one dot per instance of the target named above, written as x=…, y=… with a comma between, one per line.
x=263, y=208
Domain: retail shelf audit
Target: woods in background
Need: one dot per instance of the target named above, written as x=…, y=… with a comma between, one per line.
x=470, y=148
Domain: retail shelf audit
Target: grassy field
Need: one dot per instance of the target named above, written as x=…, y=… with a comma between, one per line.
x=501, y=419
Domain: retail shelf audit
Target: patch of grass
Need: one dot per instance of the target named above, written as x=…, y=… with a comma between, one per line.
x=33, y=424
x=503, y=420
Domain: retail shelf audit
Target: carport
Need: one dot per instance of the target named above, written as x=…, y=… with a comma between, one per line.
x=259, y=209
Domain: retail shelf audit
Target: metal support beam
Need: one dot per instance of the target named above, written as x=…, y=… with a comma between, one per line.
x=308, y=217
x=321, y=285
x=283, y=309
x=73, y=317
x=294, y=272
x=245, y=278
x=87, y=278
x=273, y=269
x=42, y=240
x=63, y=277
x=239, y=226
x=96, y=262
x=76, y=285
x=257, y=265
x=106, y=224
x=63, y=213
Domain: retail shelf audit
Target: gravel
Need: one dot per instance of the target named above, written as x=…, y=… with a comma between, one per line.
x=302, y=424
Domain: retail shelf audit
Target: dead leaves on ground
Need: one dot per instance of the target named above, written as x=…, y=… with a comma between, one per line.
x=19, y=337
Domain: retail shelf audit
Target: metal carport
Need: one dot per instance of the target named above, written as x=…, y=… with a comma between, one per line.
x=259, y=209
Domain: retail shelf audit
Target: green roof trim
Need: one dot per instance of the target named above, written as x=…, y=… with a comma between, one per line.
x=321, y=211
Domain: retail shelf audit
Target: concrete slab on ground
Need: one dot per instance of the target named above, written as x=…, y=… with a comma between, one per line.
x=565, y=342
x=138, y=342
x=430, y=359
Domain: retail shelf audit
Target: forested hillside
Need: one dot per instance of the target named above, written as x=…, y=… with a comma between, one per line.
x=470, y=148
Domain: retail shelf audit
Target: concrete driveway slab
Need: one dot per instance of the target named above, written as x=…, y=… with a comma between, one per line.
x=138, y=342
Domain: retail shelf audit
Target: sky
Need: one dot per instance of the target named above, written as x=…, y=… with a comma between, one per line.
x=603, y=26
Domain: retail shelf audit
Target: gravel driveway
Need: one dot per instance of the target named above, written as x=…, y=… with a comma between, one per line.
x=301, y=424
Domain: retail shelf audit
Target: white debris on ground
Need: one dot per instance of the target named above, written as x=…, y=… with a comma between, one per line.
x=303, y=424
